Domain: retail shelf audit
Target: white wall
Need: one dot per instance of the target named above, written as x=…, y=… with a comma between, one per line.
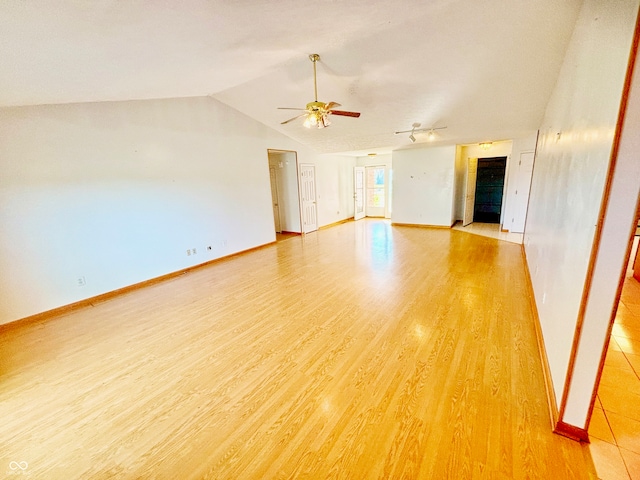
x=611, y=261
x=460, y=183
x=570, y=170
x=334, y=188
x=380, y=159
x=423, y=186
x=116, y=192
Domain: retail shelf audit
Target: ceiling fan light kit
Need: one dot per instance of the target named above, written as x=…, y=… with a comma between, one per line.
x=317, y=113
x=316, y=119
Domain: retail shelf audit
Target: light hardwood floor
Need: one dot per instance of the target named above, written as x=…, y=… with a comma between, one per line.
x=360, y=351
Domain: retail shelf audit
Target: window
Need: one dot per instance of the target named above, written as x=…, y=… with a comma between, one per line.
x=375, y=187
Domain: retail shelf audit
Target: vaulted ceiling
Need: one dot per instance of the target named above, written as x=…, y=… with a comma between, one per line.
x=482, y=68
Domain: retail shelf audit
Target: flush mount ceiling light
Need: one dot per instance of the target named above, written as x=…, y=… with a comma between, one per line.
x=485, y=145
x=416, y=129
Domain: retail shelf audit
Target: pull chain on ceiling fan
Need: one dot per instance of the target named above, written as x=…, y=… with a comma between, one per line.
x=317, y=113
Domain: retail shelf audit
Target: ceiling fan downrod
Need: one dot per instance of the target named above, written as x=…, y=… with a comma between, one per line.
x=314, y=57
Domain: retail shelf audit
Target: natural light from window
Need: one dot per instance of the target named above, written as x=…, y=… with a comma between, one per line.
x=375, y=187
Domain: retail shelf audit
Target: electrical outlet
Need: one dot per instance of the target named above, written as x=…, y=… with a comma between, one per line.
x=81, y=281
x=194, y=251
x=188, y=252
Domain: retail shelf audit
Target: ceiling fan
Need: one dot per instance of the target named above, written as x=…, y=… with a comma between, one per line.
x=317, y=113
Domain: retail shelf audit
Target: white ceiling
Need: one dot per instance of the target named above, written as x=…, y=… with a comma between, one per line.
x=483, y=68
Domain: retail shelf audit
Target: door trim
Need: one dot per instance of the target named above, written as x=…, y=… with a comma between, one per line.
x=362, y=214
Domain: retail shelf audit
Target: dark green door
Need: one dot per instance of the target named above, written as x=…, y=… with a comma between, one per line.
x=489, y=188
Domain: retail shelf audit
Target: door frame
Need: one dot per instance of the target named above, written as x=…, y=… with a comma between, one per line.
x=363, y=188
x=470, y=192
x=289, y=198
x=385, y=209
x=480, y=165
x=302, y=166
x=520, y=198
x=275, y=198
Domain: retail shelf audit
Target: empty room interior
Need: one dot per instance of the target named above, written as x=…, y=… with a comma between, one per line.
x=250, y=240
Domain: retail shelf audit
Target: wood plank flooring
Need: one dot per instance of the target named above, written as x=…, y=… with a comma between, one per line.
x=362, y=351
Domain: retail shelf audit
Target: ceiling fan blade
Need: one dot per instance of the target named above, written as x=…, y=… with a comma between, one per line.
x=294, y=118
x=331, y=105
x=345, y=114
x=290, y=108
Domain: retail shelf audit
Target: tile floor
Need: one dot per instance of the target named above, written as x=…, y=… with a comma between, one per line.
x=489, y=230
x=615, y=424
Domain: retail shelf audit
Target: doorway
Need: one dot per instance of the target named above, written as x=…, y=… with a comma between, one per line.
x=275, y=200
x=285, y=196
x=308, y=198
x=375, y=198
x=489, y=189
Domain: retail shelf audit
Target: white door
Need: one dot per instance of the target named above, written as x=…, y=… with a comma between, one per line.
x=274, y=198
x=308, y=198
x=358, y=195
x=470, y=196
x=523, y=185
x=376, y=192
